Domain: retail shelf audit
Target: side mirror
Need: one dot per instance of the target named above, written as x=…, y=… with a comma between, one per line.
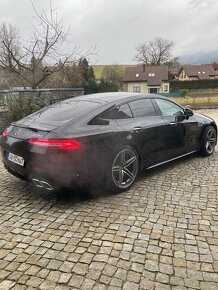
x=188, y=113
x=180, y=118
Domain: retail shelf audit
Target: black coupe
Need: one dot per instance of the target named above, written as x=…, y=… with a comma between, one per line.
x=104, y=139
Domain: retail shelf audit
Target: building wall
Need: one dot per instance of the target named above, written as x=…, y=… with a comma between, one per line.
x=128, y=87
x=143, y=87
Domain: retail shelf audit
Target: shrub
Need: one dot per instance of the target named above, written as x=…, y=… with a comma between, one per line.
x=176, y=85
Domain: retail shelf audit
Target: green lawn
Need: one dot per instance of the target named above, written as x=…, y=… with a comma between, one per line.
x=98, y=69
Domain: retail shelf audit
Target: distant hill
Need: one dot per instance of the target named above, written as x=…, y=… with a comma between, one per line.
x=200, y=58
x=99, y=69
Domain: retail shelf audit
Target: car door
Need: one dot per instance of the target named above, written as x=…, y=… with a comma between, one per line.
x=139, y=118
x=180, y=132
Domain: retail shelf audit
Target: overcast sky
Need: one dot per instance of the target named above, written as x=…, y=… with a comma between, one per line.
x=116, y=27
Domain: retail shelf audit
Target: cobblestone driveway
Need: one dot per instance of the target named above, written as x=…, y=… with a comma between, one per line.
x=161, y=234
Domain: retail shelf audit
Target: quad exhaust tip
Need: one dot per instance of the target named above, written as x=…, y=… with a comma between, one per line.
x=42, y=184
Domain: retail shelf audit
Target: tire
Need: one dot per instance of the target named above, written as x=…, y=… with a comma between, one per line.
x=208, y=142
x=122, y=170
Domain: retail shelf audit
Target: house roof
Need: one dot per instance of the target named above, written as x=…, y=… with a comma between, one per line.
x=153, y=75
x=202, y=71
x=215, y=65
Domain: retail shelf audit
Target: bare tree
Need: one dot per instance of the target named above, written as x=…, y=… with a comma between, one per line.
x=34, y=60
x=155, y=52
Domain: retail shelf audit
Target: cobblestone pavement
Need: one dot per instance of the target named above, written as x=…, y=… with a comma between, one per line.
x=161, y=234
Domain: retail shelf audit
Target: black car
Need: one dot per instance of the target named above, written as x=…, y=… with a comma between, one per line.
x=104, y=139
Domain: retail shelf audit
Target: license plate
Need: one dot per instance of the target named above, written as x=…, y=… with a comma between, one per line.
x=16, y=159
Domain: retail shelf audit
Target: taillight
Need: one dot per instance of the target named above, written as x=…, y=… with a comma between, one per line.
x=5, y=133
x=58, y=143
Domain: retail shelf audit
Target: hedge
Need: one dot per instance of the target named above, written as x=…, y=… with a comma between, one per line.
x=172, y=94
x=176, y=85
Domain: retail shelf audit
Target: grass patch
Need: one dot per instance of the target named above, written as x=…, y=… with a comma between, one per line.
x=197, y=101
x=99, y=69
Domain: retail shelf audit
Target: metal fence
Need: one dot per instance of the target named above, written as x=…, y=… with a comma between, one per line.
x=18, y=102
x=39, y=97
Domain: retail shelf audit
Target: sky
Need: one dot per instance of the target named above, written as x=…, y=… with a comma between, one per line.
x=114, y=28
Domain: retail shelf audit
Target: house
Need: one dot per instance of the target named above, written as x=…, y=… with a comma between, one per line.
x=191, y=72
x=215, y=66
x=146, y=79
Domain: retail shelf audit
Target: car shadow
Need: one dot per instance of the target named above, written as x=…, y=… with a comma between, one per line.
x=86, y=193
x=68, y=195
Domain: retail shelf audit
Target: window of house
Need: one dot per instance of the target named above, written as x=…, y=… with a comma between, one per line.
x=151, y=74
x=165, y=88
x=136, y=89
x=137, y=75
x=153, y=90
x=169, y=109
x=142, y=108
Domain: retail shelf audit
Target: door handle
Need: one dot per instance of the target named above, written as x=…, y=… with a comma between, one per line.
x=173, y=124
x=137, y=129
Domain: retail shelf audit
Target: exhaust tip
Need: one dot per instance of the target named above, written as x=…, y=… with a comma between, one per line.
x=46, y=185
x=37, y=183
x=42, y=184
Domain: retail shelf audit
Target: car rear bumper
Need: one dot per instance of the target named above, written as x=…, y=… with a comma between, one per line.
x=57, y=171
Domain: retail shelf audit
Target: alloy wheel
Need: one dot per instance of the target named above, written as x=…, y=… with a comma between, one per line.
x=211, y=141
x=125, y=168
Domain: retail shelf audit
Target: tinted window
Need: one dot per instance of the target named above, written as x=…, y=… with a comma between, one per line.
x=124, y=112
x=110, y=113
x=62, y=112
x=142, y=108
x=168, y=108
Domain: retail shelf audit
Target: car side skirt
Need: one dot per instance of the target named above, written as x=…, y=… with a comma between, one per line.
x=164, y=162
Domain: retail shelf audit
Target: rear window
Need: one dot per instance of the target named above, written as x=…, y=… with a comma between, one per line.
x=65, y=111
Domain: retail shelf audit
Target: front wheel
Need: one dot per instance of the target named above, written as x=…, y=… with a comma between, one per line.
x=123, y=170
x=208, y=141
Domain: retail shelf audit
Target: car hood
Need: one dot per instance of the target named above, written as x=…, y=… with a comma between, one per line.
x=203, y=117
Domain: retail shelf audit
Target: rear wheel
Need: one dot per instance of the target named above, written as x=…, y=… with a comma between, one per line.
x=208, y=141
x=123, y=170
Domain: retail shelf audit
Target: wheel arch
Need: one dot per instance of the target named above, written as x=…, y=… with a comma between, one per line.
x=138, y=151
x=213, y=124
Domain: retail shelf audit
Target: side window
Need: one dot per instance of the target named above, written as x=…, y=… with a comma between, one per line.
x=106, y=115
x=169, y=109
x=109, y=113
x=142, y=108
x=124, y=112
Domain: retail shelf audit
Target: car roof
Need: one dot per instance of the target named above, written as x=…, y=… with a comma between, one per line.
x=113, y=97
